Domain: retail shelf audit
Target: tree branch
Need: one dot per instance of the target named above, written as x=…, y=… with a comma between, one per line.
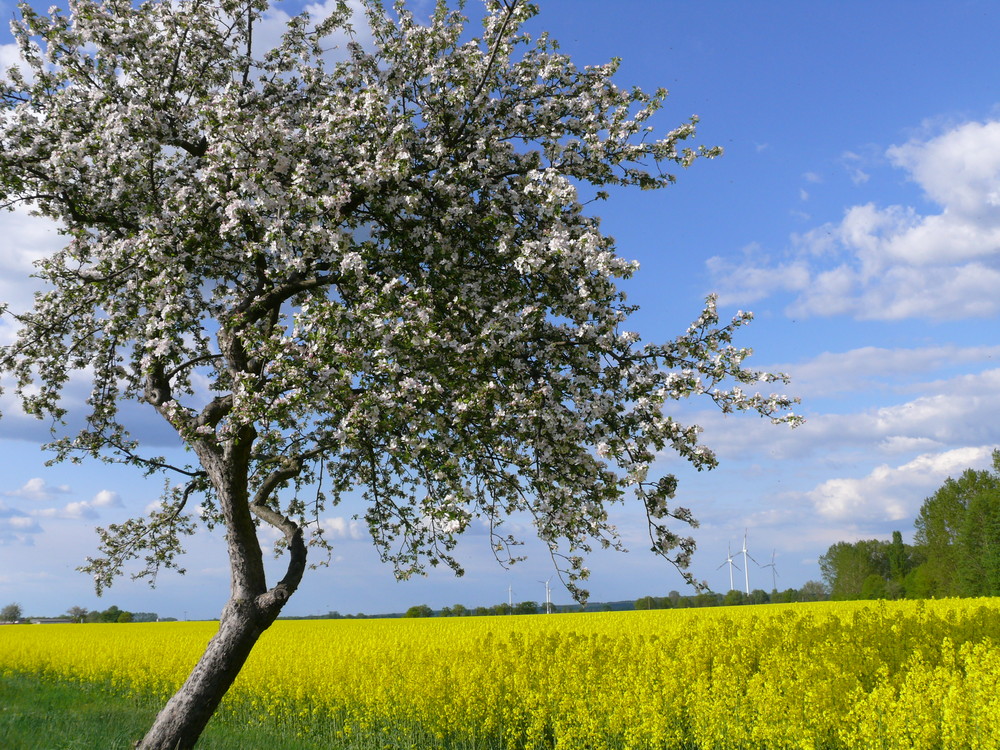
x=291, y=531
x=190, y=363
x=214, y=411
x=289, y=469
x=151, y=463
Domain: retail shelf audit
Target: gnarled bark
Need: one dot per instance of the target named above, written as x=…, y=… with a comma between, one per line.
x=182, y=720
x=249, y=612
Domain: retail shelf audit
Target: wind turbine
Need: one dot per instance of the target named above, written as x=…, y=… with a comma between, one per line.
x=729, y=561
x=774, y=572
x=746, y=566
x=548, y=596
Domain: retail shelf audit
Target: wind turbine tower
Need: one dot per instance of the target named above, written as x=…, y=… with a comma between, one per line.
x=746, y=566
x=774, y=572
x=731, y=564
x=548, y=597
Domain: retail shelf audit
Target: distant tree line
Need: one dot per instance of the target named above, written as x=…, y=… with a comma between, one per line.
x=955, y=550
x=14, y=613
x=456, y=610
x=459, y=610
x=811, y=591
x=111, y=614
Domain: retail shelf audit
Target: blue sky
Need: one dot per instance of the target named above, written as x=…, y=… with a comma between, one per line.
x=856, y=212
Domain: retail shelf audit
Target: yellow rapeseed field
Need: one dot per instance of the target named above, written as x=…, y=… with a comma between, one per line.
x=828, y=675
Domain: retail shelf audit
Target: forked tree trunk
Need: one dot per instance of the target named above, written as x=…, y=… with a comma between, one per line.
x=252, y=607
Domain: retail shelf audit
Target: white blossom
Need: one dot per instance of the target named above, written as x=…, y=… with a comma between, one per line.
x=379, y=269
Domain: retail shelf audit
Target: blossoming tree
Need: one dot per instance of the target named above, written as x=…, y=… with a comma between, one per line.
x=372, y=274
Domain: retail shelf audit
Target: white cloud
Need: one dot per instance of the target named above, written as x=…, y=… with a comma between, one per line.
x=893, y=493
x=867, y=368
x=22, y=523
x=895, y=263
x=15, y=526
x=946, y=418
x=267, y=34
x=853, y=163
x=78, y=509
x=10, y=56
x=957, y=169
x=756, y=276
x=38, y=489
x=896, y=444
x=950, y=413
x=106, y=499
x=339, y=527
x=27, y=239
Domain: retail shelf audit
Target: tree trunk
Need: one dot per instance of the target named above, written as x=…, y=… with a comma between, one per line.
x=251, y=608
x=182, y=720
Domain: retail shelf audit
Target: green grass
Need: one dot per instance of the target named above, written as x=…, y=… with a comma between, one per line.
x=37, y=714
x=42, y=714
